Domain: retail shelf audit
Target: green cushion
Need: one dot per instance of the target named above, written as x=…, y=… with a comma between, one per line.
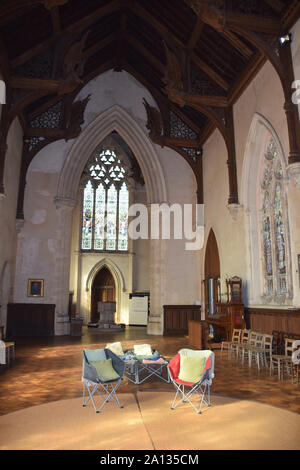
x=115, y=348
x=191, y=368
x=105, y=370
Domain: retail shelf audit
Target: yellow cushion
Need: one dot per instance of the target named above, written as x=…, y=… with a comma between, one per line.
x=191, y=368
x=105, y=370
x=142, y=349
x=116, y=348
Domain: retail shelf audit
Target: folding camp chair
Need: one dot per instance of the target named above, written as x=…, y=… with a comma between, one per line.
x=184, y=389
x=104, y=384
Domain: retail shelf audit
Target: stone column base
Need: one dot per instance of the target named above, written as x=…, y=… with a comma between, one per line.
x=62, y=325
x=155, y=326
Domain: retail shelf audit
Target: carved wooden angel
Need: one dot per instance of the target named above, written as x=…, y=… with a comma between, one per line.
x=73, y=65
x=154, y=122
x=173, y=73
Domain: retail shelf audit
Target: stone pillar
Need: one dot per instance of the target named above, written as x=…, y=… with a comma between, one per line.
x=293, y=191
x=64, y=209
x=157, y=283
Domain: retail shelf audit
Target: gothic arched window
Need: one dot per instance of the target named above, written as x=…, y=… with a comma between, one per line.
x=105, y=203
x=274, y=225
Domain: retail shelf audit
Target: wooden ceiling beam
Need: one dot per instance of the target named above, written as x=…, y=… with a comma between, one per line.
x=210, y=72
x=195, y=35
x=171, y=38
x=276, y=5
x=98, y=46
x=156, y=63
x=75, y=28
x=237, y=43
x=25, y=83
x=254, y=22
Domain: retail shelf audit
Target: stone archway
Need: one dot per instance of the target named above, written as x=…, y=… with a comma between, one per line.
x=118, y=278
x=116, y=119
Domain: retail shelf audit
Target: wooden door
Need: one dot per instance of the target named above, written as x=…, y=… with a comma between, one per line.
x=211, y=267
x=103, y=290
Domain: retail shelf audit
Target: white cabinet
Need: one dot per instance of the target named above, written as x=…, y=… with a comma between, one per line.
x=138, y=310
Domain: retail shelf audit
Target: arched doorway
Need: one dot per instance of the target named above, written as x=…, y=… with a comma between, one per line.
x=212, y=272
x=103, y=290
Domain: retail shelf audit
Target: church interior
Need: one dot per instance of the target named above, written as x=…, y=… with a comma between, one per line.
x=150, y=194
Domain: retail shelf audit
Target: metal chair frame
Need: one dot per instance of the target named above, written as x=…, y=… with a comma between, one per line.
x=185, y=397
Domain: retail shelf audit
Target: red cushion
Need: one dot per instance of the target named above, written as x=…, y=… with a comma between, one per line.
x=174, y=366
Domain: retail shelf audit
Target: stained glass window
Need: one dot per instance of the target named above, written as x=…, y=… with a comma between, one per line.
x=123, y=217
x=99, y=218
x=274, y=224
x=111, y=234
x=88, y=209
x=105, y=203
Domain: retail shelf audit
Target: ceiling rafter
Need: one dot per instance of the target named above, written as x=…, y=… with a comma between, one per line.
x=170, y=37
x=276, y=5
x=195, y=35
x=74, y=28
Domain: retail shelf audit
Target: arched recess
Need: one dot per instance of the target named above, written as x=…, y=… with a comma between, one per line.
x=103, y=290
x=260, y=133
x=117, y=275
x=212, y=270
x=112, y=119
x=212, y=259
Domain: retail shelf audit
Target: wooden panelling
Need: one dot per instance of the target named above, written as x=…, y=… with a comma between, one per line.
x=226, y=317
x=196, y=333
x=176, y=318
x=30, y=320
x=268, y=320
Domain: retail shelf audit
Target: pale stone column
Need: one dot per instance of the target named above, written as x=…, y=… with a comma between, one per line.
x=64, y=209
x=157, y=282
x=293, y=190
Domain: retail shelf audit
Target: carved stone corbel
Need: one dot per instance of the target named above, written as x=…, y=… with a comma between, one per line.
x=235, y=210
x=293, y=171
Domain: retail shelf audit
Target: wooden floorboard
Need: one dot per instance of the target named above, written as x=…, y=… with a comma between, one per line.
x=49, y=368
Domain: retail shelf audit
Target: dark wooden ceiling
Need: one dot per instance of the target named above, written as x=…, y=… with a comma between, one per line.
x=130, y=35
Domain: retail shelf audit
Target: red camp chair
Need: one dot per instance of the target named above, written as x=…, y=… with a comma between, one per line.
x=186, y=390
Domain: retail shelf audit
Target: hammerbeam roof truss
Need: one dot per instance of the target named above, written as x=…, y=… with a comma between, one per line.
x=49, y=49
x=130, y=35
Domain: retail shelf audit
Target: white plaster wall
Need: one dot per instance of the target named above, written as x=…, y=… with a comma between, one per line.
x=8, y=207
x=181, y=270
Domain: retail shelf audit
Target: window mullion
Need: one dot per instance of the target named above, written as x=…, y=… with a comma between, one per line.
x=94, y=218
x=117, y=219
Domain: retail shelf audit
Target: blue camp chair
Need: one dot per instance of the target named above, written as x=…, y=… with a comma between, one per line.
x=102, y=373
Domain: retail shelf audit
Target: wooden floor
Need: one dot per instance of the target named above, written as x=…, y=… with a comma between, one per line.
x=48, y=369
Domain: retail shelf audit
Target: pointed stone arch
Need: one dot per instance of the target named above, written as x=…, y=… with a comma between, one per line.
x=116, y=119
x=260, y=132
